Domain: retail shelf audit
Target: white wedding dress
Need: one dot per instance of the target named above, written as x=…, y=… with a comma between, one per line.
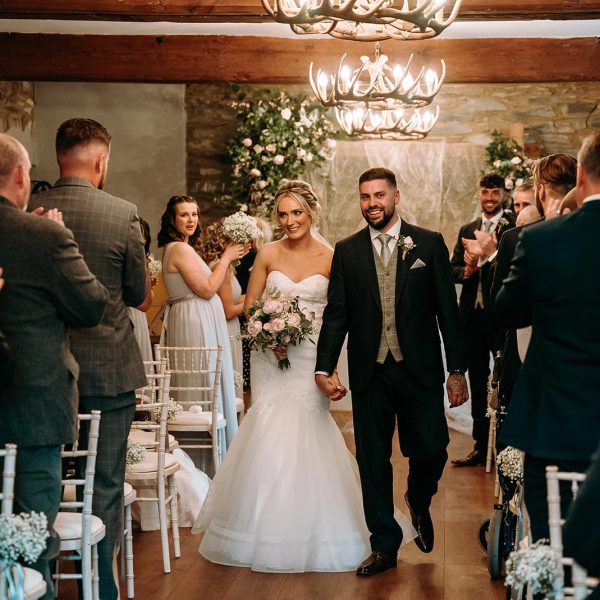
x=287, y=497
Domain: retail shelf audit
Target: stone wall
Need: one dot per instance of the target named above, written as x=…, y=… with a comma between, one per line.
x=555, y=118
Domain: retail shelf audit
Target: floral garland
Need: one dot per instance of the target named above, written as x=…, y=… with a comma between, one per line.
x=506, y=158
x=277, y=137
x=536, y=566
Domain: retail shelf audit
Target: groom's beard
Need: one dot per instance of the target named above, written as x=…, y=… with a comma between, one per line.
x=387, y=217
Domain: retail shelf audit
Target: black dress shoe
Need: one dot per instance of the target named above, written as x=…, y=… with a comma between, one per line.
x=473, y=459
x=424, y=526
x=376, y=563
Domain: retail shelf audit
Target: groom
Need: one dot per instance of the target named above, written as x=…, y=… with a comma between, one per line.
x=390, y=288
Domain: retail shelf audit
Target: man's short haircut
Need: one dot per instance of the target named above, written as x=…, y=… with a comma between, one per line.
x=378, y=173
x=589, y=156
x=491, y=181
x=79, y=133
x=556, y=171
x=11, y=155
x=527, y=186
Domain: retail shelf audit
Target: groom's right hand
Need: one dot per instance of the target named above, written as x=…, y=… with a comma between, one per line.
x=331, y=386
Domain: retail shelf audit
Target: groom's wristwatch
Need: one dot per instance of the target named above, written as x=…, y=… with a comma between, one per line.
x=456, y=372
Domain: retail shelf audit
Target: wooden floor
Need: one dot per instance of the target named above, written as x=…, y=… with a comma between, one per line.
x=455, y=570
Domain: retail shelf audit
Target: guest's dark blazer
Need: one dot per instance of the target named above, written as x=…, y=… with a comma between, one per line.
x=468, y=294
x=554, y=285
x=107, y=230
x=48, y=287
x=425, y=297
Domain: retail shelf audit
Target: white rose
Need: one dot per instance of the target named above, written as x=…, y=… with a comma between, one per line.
x=301, y=153
x=278, y=160
x=271, y=147
x=515, y=160
x=497, y=163
x=331, y=143
x=247, y=142
x=262, y=184
x=286, y=114
x=258, y=148
x=308, y=157
x=519, y=182
x=255, y=173
x=508, y=183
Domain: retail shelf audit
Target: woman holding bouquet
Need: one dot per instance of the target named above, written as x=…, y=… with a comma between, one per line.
x=287, y=497
x=194, y=315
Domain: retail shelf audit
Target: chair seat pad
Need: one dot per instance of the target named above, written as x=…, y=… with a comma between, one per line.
x=34, y=584
x=150, y=463
x=139, y=436
x=185, y=417
x=129, y=494
x=68, y=525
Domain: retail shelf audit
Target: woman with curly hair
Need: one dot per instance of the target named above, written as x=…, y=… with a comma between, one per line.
x=212, y=244
x=194, y=315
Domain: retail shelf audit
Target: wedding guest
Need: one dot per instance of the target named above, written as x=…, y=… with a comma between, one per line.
x=6, y=361
x=194, y=314
x=554, y=285
x=212, y=244
x=137, y=315
x=473, y=272
x=523, y=196
x=107, y=230
x=48, y=289
x=553, y=177
x=569, y=202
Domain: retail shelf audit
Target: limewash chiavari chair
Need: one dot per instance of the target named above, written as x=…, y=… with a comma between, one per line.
x=581, y=584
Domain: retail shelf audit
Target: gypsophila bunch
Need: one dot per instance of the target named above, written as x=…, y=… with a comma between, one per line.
x=155, y=269
x=135, y=454
x=510, y=463
x=173, y=409
x=22, y=537
x=276, y=322
x=241, y=228
x=277, y=137
x=506, y=158
x=537, y=567
x=238, y=380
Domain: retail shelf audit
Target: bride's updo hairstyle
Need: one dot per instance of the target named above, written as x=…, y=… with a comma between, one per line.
x=303, y=194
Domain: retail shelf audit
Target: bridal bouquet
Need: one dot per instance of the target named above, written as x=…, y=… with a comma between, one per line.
x=276, y=322
x=22, y=537
x=241, y=228
x=155, y=269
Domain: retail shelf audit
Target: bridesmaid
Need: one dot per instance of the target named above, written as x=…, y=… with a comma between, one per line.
x=194, y=315
x=213, y=242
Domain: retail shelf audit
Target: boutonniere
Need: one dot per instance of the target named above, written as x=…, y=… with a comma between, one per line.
x=502, y=222
x=406, y=244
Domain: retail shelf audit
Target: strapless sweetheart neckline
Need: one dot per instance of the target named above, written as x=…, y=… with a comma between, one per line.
x=298, y=282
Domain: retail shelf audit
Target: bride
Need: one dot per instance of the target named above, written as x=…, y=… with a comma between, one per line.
x=287, y=496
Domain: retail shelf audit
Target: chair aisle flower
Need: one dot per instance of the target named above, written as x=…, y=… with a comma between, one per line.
x=536, y=566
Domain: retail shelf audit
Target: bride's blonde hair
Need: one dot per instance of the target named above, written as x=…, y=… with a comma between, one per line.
x=303, y=194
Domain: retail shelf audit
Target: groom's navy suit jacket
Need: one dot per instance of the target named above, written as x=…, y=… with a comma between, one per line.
x=554, y=285
x=425, y=298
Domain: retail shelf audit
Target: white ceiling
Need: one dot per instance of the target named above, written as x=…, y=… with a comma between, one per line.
x=459, y=29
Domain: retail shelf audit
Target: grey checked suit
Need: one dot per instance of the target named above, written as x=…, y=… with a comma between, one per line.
x=107, y=230
x=48, y=287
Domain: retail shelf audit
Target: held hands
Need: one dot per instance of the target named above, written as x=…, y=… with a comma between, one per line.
x=487, y=242
x=331, y=386
x=53, y=214
x=458, y=392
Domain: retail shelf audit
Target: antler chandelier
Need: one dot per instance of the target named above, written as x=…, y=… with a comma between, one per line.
x=365, y=20
x=396, y=124
x=377, y=84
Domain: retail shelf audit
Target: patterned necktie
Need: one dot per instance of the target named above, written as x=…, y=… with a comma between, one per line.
x=487, y=226
x=385, y=254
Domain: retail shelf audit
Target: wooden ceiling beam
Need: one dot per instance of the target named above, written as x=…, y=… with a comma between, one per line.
x=252, y=10
x=182, y=59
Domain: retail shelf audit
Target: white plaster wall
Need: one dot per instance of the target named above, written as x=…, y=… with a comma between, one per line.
x=147, y=125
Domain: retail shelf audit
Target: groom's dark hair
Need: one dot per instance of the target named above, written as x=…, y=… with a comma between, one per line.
x=378, y=173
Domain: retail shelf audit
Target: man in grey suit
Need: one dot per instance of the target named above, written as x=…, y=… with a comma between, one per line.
x=48, y=287
x=107, y=230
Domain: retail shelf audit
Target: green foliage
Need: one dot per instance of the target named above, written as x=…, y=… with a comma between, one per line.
x=506, y=158
x=277, y=137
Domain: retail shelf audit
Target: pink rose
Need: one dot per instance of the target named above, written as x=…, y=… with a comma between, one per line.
x=271, y=306
x=267, y=327
x=294, y=320
x=254, y=328
x=277, y=325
